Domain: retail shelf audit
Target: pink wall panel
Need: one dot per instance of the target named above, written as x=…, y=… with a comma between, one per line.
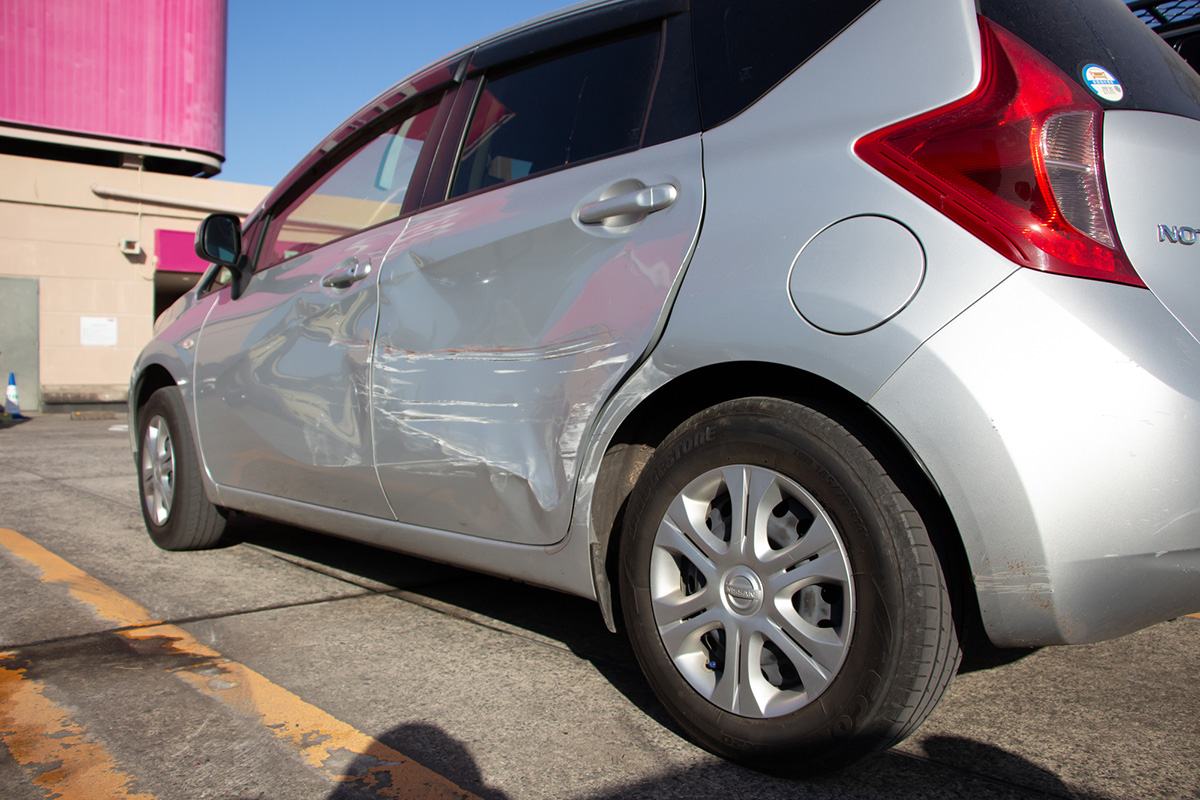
x=22, y=79
x=176, y=251
x=142, y=70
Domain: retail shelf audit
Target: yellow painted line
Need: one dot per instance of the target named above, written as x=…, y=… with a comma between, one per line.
x=43, y=739
x=327, y=743
x=1197, y=616
x=108, y=605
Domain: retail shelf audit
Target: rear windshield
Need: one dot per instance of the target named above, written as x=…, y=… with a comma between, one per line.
x=1106, y=49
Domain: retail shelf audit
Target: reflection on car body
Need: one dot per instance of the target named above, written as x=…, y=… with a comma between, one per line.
x=685, y=307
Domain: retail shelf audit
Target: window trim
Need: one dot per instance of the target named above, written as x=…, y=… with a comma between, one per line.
x=569, y=31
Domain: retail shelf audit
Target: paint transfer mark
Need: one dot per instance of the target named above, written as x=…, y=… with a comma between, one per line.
x=325, y=742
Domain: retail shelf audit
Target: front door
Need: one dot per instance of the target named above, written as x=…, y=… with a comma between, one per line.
x=283, y=390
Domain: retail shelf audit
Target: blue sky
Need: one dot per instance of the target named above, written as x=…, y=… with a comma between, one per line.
x=297, y=68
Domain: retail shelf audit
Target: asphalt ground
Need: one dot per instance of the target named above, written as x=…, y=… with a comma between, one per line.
x=290, y=665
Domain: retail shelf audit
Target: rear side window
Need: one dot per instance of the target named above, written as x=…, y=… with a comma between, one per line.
x=578, y=106
x=744, y=47
x=1081, y=35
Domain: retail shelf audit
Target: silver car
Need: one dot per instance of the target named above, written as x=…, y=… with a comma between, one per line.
x=800, y=336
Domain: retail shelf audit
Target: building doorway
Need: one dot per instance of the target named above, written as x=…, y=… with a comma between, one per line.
x=19, y=338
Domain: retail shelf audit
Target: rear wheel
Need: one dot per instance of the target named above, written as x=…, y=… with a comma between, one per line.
x=780, y=591
x=177, y=513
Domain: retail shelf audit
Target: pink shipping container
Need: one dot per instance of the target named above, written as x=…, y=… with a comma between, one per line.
x=144, y=71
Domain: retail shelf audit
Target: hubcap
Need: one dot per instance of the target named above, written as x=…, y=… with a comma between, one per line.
x=751, y=590
x=158, y=471
x=743, y=592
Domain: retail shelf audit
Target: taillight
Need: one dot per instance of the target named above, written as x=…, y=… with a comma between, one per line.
x=1017, y=163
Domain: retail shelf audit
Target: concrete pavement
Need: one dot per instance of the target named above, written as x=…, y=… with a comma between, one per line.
x=487, y=687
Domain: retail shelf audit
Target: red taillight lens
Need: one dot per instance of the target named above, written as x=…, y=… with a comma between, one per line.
x=1017, y=163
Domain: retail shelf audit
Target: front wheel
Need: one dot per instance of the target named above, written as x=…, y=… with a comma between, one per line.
x=781, y=593
x=177, y=513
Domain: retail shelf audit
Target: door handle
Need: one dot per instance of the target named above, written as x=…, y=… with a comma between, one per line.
x=643, y=201
x=346, y=273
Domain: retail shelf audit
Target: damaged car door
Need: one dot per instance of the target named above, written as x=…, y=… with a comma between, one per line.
x=511, y=309
x=283, y=370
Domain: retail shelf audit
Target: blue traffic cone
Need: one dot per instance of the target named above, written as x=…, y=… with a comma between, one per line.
x=12, y=406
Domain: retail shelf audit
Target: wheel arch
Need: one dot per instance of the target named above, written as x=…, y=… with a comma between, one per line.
x=146, y=380
x=664, y=409
x=152, y=378
x=177, y=499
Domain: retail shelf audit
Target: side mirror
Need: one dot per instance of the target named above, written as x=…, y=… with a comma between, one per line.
x=219, y=239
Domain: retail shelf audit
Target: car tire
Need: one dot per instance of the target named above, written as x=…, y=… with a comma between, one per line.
x=178, y=514
x=836, y=595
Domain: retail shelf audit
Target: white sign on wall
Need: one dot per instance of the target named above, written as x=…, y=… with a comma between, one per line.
x=98, y=331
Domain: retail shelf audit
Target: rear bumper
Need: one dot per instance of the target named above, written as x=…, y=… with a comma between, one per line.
x=1061, y=419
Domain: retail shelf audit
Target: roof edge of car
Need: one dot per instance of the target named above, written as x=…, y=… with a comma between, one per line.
x=499, y=45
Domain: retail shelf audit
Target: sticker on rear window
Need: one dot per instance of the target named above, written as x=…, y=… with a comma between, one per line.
x=1103, y=83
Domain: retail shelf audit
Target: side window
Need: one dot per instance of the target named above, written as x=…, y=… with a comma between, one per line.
x=585, y=104
x=365, y=189
x=744, y=47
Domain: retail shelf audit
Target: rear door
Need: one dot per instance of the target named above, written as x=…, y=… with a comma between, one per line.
x=510, y=310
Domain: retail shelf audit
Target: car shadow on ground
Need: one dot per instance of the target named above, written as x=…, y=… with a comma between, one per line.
x=571, y=622
x=577, y=625
x=997, y=773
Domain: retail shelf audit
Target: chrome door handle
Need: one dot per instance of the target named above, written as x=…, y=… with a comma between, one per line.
x=346, y=273
x=642, y=201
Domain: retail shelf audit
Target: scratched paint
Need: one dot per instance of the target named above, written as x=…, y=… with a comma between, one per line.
x=41, y=734
x=282, y=380
x=504, y=326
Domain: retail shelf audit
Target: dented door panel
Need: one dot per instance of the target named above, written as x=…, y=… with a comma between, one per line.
x=505, y=323
x=283, y=380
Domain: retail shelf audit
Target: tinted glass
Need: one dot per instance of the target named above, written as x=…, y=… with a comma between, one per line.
x=1077, y=33
x=363, y=190
x=1189, y=48
x=675, y=110
x=745, y=47
x=578, y=106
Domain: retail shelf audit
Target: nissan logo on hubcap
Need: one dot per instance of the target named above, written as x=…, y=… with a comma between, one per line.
x=743, y=592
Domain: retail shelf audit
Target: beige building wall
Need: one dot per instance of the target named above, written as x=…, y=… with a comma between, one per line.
x=61, y=224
